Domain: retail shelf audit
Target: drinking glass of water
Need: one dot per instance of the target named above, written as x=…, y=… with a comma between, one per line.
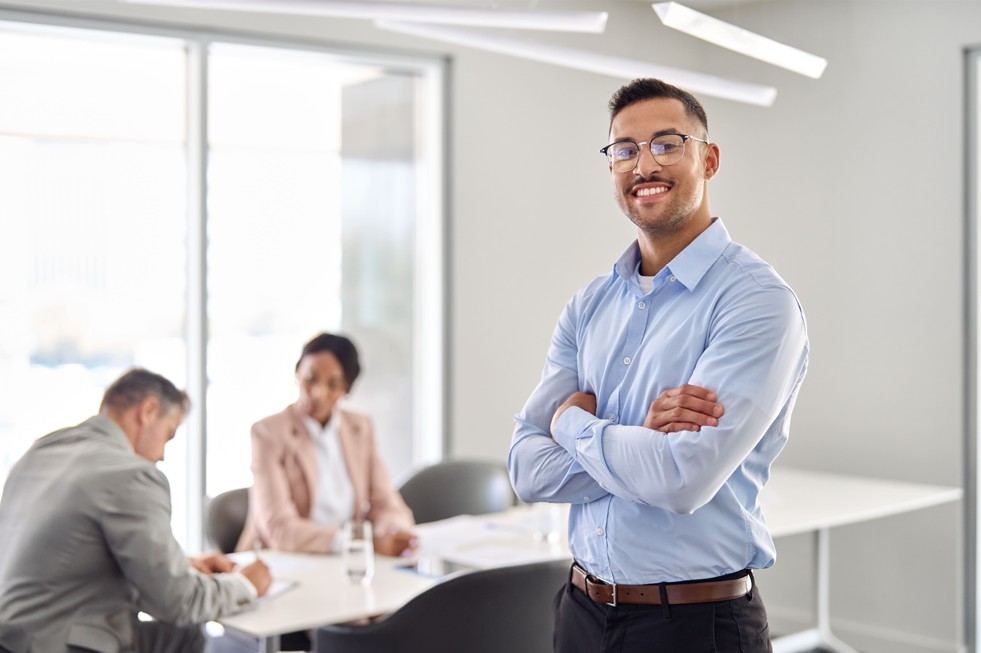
x=358, y=551
x=548, y=522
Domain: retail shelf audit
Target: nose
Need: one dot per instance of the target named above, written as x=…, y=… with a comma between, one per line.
x=646, y=163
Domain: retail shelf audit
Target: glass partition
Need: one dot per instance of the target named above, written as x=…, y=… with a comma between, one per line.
x=322, y=211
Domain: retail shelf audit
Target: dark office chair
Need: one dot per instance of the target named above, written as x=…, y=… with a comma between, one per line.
x=489, y=611
x=458, y=487
x=226, y=515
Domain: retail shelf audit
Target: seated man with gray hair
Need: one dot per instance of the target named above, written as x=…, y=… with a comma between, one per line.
x=87, y=543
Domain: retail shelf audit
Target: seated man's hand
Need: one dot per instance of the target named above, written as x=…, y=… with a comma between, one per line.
x=687, y=408
x=259, y=575
x=395, y=542
x=212, y=563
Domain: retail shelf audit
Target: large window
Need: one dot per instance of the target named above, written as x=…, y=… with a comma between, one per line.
x=201, y=207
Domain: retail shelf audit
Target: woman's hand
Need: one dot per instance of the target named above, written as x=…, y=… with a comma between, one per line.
x=395, y=542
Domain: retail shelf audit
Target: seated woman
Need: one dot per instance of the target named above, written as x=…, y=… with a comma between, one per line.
x=316, y=466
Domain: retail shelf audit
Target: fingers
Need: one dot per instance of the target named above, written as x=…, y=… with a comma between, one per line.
x=212, y=563
x=220, y=564
x=200, y=565
x=659, y=419
x=405, y=542
x=690, y=391
x=410, y=547
x=686, y=408
x=259, y=575
x=395, y=542
x=690, y=397
x=674, y=427
x=691, y=404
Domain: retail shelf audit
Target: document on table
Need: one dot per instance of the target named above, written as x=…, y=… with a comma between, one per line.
x=278, y=587
x=481, y=542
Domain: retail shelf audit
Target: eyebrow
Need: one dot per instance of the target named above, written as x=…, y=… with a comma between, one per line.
x=657, y=134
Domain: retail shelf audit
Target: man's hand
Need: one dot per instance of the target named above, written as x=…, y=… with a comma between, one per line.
x=258, y=574
x=395, y=542
x=579, y=399
x=687, y=408
x=212, y=563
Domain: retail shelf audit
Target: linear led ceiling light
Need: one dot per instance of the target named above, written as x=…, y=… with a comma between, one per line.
x=561, y=21
x=735, y=38
x=590, y=62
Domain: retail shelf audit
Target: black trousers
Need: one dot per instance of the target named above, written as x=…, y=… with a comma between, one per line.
x=584, y=626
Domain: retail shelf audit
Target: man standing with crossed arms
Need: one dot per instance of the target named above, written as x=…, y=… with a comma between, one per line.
x=666, y=396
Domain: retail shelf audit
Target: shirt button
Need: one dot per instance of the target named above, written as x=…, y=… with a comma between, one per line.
x=672, y=278
x=642, y=305
x=626, y=361
x=599, y=531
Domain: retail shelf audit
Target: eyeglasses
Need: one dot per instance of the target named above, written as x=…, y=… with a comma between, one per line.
x=667, y=150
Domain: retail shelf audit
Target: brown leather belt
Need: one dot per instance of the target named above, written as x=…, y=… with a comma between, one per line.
x=677, y=593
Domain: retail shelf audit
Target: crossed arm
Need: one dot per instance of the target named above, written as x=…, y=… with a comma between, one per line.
x=688, y=444
x=687, y=408
x=542, y=470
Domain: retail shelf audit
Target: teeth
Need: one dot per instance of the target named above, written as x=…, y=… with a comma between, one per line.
x=647, y=192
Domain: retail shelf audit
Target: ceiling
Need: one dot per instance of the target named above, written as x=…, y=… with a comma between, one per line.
x=599, y=5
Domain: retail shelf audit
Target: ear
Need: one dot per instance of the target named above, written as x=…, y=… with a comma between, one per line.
x=711, y=160
x=148, y=410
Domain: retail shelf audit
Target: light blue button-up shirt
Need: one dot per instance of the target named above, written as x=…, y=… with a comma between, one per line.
x=647, y=506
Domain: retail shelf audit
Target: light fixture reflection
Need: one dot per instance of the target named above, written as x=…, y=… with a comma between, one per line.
x=735, y=38
x=590, y=62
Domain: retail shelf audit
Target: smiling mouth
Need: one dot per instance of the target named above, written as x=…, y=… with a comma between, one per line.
x=650, y=191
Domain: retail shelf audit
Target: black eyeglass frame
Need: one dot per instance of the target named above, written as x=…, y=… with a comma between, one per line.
x=649, y=143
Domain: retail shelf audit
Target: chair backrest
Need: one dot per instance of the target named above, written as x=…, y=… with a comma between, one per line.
x=489, y=611
x=226, y=515
x=458, y=487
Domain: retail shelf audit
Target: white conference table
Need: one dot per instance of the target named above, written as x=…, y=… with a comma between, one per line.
x=795, y=501
x=322, y=594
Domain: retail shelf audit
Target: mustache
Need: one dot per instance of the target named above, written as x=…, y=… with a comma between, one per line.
x=653, y=179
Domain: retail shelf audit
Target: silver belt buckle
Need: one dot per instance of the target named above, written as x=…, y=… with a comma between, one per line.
x=590, y=579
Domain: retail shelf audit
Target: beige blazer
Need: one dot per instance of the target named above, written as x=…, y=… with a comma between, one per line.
x=285, y=478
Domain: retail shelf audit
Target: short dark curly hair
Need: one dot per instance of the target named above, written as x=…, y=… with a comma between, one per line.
x=648, y=88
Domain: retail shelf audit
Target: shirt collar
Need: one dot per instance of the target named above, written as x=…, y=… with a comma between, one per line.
x=691, y=263
x=318, y=431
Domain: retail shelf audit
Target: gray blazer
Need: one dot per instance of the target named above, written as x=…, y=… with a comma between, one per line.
x=85, y=542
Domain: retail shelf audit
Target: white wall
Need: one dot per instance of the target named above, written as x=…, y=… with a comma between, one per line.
x=871, y=238
x=822, y=185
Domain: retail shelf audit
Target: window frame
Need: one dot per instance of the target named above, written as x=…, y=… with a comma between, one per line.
x=972, y=390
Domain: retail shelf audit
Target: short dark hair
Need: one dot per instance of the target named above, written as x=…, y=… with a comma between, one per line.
x=648, y=88
x=342, y=348
x=136, y=385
